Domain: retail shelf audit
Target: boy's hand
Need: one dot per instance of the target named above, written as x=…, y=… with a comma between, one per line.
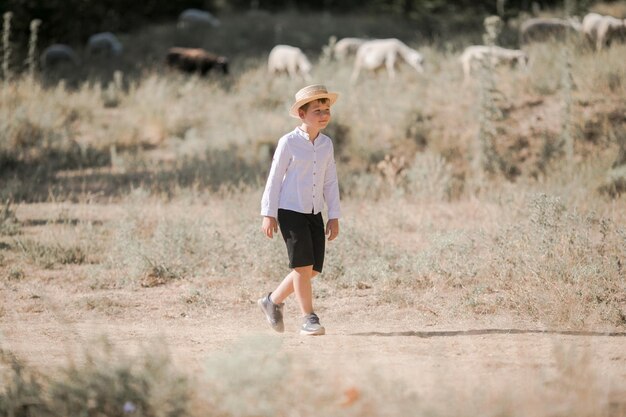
x=269, y=226
x=332, y=228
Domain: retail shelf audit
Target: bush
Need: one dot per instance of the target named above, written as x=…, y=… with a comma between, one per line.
x=109, y=382
x=615, y=183
x=106, y=382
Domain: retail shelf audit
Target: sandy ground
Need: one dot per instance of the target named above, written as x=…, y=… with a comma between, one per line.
x=43, y=323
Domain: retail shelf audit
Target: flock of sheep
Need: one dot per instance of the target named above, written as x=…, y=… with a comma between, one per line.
x=373, y=54
x=369, y=54
x=108, y=45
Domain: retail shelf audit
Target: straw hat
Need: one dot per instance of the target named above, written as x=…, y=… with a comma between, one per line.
x=311, y=93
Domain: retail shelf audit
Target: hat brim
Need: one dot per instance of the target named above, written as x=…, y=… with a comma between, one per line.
x=293, y=112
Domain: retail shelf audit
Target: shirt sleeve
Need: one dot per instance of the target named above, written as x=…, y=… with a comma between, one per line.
x=271, y=194
x=331, y=188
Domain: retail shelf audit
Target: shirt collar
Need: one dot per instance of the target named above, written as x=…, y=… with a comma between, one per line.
x=305, y=135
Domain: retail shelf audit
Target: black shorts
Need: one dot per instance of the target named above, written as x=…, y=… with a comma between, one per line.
x=305, y=238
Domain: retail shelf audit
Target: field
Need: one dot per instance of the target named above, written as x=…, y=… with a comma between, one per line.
x=480, y=268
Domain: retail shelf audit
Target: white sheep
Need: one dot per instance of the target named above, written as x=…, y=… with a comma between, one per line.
x=497, y=54
x=58, y=54
x=290, y=59
x=347, y=46
x=611, y=29
x=190, y=18
x=104, y=43
x=591, y=22
x=378, y=53
x=544, y=29
x=601, y=31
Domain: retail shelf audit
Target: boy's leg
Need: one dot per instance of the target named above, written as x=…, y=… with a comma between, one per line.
x=302, y=288
x=285, y=288
x=273, y=313
x=298, y=281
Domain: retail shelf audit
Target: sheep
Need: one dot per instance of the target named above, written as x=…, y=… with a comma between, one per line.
x=497, y=54
x=195, y=17
x=611, y=29
x=591, y=22
x=601, y=31
x=290, y=59
x=195, y=60
x=58, y=54
x=545, y=29
x=347, y=46
x=104, y=43
x=375, y=54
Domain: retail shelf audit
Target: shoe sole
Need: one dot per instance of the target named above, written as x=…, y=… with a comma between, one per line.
x=279, y=328
x=319, y=332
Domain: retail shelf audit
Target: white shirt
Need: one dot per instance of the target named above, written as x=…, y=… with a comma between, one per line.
x=303, y=175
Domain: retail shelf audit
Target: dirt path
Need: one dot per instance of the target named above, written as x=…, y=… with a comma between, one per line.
x=45, y=325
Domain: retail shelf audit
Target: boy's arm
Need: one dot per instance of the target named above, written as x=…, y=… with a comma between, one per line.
x=331, y=189
x=271, y=194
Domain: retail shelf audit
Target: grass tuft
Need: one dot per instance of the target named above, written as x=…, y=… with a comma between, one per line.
x=9, y=224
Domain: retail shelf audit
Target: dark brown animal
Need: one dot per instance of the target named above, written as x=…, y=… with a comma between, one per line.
x=195, y=60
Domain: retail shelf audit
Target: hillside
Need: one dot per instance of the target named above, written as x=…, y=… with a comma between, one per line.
x=149, y=118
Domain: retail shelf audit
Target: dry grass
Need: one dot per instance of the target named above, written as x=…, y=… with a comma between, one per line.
x=150, y=141
x=549, y=257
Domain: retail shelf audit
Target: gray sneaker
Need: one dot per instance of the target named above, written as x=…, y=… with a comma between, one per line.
x=311, y=326
x=273, y=313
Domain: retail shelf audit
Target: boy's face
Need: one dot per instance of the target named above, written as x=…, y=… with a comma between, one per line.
x=317, y=115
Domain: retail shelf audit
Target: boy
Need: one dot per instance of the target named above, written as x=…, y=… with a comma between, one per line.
x=303, y=176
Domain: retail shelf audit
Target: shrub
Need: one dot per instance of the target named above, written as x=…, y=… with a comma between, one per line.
x=615, y=183
x=21, y=392
x=111, y=382
x=9, y=225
